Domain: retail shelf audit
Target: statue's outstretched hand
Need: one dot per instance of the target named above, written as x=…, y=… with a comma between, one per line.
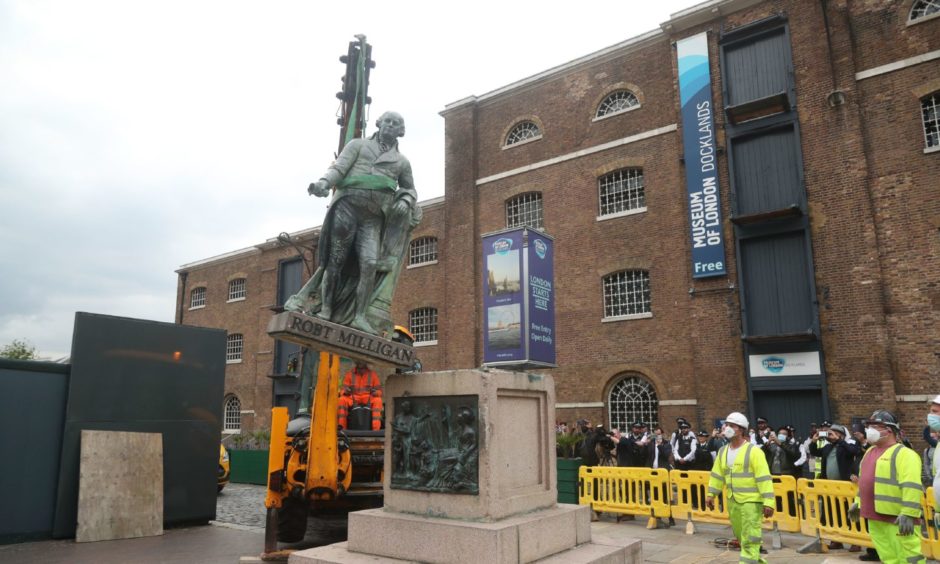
x=319, y=188
x=400, y=207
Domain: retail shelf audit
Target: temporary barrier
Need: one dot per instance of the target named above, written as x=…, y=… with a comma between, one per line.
x=628, y=491
x=824, y=512
x=929, y=536
x=691, y=488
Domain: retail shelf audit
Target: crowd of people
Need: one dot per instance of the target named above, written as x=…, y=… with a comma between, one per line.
x=742, y=461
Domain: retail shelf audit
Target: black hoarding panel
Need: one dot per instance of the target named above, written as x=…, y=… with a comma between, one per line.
x=147, y=376
x=32, y=410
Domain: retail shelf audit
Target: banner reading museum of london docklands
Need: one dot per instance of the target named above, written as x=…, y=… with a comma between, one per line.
x=698, y=142
x=518, y=299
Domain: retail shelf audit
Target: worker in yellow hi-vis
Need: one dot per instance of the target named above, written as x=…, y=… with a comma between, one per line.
x=889, y=492
x=742, y=467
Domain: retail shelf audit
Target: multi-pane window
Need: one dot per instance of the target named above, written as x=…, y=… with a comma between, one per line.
x=236, y=289
x=422, y=250
x=924, y=8
x=616, y=102
x=232, y=414
x=524, y=210
x=632, y=400
x=234, y=344
x=930, y=107
x=627, y=293
x=197, y=298
x=523, y=131
x=621, y=191
x=423, y=324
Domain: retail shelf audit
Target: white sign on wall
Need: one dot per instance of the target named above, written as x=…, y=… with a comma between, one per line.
x=785, y=364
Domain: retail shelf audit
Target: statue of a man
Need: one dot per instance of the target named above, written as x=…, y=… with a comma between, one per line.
x=365, y=233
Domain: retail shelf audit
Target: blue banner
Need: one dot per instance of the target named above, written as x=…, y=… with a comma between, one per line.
x=518, y=299
x=698, y=142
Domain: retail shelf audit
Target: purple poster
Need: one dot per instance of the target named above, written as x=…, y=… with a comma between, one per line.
x=518, y=299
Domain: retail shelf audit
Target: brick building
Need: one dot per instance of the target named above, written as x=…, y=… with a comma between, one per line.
x=825, y=150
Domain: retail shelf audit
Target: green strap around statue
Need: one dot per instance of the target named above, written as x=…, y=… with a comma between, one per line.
x=368, y=182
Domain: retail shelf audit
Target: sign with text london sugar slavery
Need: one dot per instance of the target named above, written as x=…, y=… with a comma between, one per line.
x=518, y=299
x=698, y=142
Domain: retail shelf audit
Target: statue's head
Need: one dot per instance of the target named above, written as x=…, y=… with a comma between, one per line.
x=392, y=122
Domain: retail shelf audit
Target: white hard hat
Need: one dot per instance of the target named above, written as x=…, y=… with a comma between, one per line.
x=738, y=419
x=936, y=399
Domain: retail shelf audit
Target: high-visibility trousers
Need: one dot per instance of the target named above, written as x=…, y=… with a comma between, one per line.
x=346, y=403
x=893, y=548
x=745, y=522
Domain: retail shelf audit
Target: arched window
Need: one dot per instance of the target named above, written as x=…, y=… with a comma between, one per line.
x=233, y=413
x=523, y=131
x=621, y=191
x=237, y=289
x=423, y=324
x=627, y=293
x=422, y=250
x=930, y=109
x=524, y=210
x=234, y=344
x=632, y=399
x=197, y=298
x=617, y=102
x=924, y=8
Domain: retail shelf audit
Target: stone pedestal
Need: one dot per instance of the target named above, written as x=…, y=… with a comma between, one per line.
x=513, y=517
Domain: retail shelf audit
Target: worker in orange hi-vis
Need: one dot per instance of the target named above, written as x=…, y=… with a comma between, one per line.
x=361, y=386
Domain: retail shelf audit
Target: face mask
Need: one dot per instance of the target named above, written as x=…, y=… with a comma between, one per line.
x=872, y=435
x=782, y=438
x=728, y=432
x=934, y=421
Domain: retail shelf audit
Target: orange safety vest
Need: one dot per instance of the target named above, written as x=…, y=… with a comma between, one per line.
x=367, y=384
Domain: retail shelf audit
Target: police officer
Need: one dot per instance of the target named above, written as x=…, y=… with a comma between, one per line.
x=684, y=446
x=632, y=450
x=889, y=491
x=742, y=467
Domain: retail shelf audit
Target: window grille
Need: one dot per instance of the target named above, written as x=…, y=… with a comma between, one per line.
x=233, y=347
x=621, y=191
x=422, y=250
x=423, y=324
x=525, y=210
x=930, y=107
x=236, y=289
x=616, y=102
x=233, y=414
x=523, y=132
x=197, y=298
x=924, y=8
x=627, y=293
x=633, y=399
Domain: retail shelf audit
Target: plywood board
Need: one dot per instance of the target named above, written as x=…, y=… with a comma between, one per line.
x=120, y=491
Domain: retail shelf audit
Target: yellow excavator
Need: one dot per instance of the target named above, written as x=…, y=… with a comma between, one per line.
x=314, y=466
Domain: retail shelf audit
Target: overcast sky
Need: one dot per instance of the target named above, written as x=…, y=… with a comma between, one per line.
x=136, y=137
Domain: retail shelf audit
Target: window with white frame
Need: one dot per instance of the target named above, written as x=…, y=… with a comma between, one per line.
x=621, y=191
x=627, y=293
x=617, y=102
x=236, y=289
x=197, y=298
x=930, y=109
x=523, y=131
x=633, y=399
x=232, y=414
x=422, y=250
x=524, y=210
x=924, y=8
x=234, y=344
x=423, y=324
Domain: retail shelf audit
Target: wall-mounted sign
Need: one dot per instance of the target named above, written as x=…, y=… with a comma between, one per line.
x=785, y=364
x=518, y=298
x=698, y=142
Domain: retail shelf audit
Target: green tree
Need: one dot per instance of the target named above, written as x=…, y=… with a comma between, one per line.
x=18, y=350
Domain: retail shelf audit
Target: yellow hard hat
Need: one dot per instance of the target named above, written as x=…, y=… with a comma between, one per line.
x=404, y=331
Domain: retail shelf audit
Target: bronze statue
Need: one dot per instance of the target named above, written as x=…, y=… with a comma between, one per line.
x=365, y=234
